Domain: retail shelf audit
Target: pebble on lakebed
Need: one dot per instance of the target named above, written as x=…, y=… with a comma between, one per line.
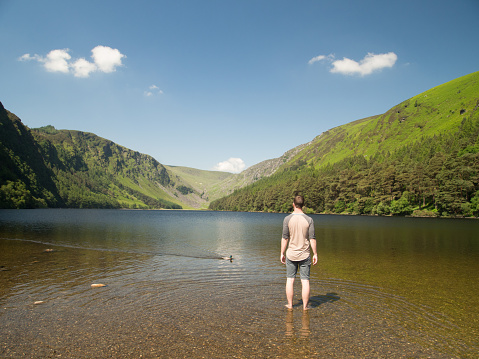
x=98, y=285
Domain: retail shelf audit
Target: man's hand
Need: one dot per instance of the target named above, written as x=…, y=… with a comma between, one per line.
x=315, y=259
x=283, y=258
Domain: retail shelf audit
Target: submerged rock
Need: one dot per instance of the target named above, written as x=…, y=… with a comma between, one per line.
x=98, y=285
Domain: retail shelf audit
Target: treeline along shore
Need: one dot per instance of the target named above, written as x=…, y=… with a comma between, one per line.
x=417, y=183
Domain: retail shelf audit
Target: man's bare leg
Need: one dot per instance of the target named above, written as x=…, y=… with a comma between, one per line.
x=305, y=291
x=289, y=292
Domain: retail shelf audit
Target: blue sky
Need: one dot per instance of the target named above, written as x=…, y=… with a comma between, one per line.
x=225, y=84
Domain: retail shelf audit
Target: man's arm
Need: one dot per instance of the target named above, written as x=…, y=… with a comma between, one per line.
x=284, y=245
x=312, y=243
x=285, y=239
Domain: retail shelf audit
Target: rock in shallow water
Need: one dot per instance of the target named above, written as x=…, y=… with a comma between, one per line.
x=98, y=285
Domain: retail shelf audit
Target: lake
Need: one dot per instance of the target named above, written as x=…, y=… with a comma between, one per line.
x=384, y=286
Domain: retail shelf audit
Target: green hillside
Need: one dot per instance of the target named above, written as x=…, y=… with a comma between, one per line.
x=25, y=180
x=437, y=111
x=420, y=157
x=46, y=167
x=208, y=184
x=92, y=171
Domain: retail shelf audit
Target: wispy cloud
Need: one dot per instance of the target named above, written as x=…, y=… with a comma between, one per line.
x=153, y=90
x=105, y=59
x=320, y=57
x=234, y=165
x=369, y=64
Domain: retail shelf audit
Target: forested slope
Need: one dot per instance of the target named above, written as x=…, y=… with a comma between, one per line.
x=46, y=167
x=25, y=179
x=421, y=157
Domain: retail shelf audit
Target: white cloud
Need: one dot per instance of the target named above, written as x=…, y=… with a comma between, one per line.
x=234, y=165
x=369, y=64
x=83, y=68
x=105, y=60
x=55, y=61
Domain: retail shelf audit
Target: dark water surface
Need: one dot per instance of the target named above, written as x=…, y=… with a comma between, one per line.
x=383, y=287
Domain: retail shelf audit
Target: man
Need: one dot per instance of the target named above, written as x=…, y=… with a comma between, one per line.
x=298, y=238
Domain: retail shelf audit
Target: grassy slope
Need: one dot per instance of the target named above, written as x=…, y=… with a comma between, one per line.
x=131, y=169
x=435, y=111
x=205, y=183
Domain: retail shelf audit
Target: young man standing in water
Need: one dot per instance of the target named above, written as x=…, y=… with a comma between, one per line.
x=298, y=238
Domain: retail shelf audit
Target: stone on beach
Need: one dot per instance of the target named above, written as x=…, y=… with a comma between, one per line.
x=98, y=285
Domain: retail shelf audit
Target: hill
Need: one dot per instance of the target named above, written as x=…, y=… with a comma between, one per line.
x=25, y=180
x=46, y=167
x=437, y=111
x=254, y=173
x=419, y=157
x=206, y=184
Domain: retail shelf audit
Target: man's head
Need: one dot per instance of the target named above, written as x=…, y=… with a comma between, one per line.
x=298, y=201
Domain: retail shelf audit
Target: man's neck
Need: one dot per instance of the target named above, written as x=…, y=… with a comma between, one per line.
x=298, y=210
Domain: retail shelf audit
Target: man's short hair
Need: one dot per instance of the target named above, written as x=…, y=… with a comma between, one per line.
x=298, y=201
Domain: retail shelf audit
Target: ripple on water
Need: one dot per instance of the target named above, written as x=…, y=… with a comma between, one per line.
x=204, y=302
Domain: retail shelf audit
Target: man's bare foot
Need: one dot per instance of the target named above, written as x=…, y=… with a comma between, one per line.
x=288, y=306
x=307, y=308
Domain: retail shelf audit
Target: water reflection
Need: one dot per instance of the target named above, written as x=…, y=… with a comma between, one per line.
x=304, y=330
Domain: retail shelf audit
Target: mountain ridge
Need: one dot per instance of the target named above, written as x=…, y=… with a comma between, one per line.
x=417, y=116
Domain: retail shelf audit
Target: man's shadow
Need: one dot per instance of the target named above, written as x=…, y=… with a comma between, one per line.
x=317, y=300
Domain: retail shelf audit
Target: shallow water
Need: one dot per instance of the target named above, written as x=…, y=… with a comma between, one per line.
x=383, y=287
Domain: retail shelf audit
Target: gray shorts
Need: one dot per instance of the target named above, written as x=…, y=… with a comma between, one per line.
x=304, y=268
